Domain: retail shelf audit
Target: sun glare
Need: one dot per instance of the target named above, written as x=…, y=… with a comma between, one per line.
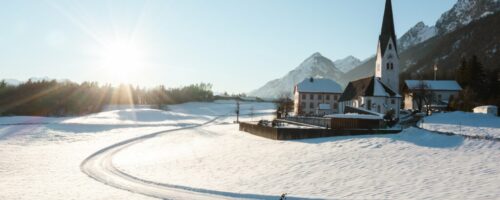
x=122, y=61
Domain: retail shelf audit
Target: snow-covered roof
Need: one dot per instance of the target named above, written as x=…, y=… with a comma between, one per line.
x=449, y=85
x=319, y=85
x=354, y=116
x=367, y=87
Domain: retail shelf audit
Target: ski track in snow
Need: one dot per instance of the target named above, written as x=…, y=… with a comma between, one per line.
x=99, y=166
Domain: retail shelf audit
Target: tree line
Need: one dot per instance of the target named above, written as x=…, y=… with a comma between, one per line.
x=480, y=86
x=53, y=98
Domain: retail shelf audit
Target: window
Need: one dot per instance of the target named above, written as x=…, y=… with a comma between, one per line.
x=320, y=97
x=328, y=97
x=336, y=97
x=392, y=66
x=311, y=96
x=302, y=105
x=390, y=46
x=303, y=96
x=311, y=105
x=387, y=66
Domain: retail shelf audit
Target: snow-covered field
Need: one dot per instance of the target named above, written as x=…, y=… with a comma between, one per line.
x=462, y=123
x=43, y=161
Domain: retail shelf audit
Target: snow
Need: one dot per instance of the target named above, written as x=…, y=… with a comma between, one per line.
x=412, y=165
x=416, y=35
x=319, y=85
x=347, y=64
x=462, y=123
x=42, y=161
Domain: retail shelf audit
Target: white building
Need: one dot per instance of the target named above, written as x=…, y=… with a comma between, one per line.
x=380, y=92
x=316, y=97
x=438, y=92
x=370, y=94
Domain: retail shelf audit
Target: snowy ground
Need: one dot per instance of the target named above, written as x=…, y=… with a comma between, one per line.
x=462, y=123
x=43, y=161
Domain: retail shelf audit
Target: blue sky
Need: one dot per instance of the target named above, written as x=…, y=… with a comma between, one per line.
x=236, y=45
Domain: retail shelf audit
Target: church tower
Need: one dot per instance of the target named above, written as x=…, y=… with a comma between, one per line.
x=387, y=64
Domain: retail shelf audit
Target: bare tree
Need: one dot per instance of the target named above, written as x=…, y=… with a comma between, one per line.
x=423, y=96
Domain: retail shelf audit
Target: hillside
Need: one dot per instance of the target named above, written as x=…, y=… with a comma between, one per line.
x=478, y=37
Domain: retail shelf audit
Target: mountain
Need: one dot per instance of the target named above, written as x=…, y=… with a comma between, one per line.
x=480, y=37
x=416, y=35
x=347, y=63
x=465, y=12
x=314, y=66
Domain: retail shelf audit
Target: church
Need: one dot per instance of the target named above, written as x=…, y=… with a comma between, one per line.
x=379, y=93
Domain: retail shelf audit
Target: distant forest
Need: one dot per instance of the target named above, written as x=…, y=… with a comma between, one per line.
x=52, y=98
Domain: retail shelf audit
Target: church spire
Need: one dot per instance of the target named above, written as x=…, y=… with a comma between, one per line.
x=388, y=31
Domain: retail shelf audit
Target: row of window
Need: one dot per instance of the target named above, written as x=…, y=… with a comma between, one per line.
x=320, y=96
x=389, y=66
x=313, y=106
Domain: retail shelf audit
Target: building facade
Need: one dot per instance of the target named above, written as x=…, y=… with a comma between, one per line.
x=316, y=97
x=438, y=94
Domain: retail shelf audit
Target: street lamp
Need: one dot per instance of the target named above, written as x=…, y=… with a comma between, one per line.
x=435, y=71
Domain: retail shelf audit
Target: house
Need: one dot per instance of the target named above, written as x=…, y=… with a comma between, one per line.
x=316, y=96
x=370, y=94
x=429, y=94
x=379, y=93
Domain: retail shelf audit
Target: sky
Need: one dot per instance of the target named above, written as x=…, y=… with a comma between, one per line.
x=236, y=45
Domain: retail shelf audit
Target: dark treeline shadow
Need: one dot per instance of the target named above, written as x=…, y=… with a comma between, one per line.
x=53, y=98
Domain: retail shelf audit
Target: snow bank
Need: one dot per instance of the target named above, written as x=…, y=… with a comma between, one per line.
x=415, y=164
x=462, y=123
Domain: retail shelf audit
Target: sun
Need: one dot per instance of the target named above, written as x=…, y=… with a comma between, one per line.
x=122, y=61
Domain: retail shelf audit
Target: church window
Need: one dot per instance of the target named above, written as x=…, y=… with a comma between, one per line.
x=388, y=65
x=390, y=46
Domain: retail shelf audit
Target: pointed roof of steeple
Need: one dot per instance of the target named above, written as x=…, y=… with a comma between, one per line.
x=388, y=30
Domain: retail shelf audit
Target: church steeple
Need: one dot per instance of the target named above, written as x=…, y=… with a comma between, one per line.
x=388, y=31
x=387, y=63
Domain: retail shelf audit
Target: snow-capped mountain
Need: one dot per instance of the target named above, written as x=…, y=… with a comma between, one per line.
x=347, y=63
x=464, y=12
x=416, y=35
x=314, y=66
